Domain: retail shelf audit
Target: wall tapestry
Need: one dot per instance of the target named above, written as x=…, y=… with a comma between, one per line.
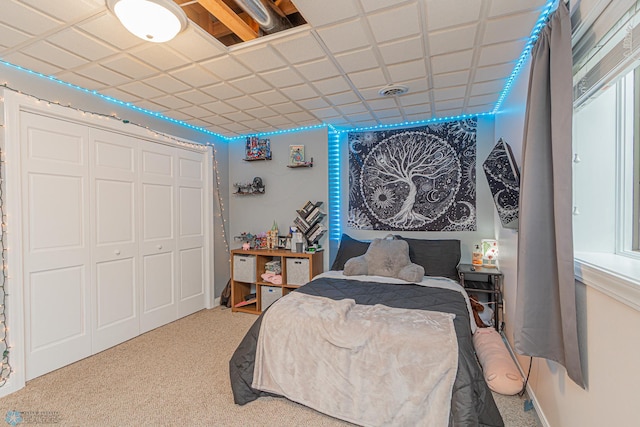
x=504, y=181
x=417, y=179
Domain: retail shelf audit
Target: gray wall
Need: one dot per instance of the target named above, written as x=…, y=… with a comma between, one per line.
x=484, y=203
x=287, y=189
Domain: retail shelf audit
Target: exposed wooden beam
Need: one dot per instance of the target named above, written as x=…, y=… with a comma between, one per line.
x=229, y=18
x=286, y=6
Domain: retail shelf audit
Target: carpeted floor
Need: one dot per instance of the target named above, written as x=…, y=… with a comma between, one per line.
x=176, y=375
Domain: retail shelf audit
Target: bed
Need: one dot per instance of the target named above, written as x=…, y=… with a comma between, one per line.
x=437, y=298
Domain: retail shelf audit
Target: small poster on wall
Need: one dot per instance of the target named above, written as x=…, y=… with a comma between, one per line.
x=296, y=154
x=257, y=149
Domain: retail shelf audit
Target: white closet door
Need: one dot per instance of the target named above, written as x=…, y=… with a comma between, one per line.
x=157, y=235
x=191, y=232
x=114, y=239
x=55, y=192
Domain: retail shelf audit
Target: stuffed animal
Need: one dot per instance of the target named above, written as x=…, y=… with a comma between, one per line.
x=388, y=258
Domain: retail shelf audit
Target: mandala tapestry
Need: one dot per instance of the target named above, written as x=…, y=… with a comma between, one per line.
x=504, y=181
x=417, y=179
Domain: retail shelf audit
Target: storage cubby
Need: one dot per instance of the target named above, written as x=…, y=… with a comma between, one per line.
x=247, y=267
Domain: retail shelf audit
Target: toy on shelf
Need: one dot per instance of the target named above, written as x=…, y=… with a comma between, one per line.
x=250, y=188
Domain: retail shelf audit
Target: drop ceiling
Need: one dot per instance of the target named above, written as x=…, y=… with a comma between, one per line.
x=455, y=57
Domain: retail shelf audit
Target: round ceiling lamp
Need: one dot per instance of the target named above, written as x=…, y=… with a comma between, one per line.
x=152, y=20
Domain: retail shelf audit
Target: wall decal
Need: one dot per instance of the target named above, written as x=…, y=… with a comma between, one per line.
x=504, y=181
x=416, y=179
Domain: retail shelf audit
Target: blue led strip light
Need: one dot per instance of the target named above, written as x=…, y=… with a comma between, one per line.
x=335, y=231
x=542, y=21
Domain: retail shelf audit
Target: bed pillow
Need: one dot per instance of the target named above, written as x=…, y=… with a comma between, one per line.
x=387, y=258
x=349, y=248
x=437, y=257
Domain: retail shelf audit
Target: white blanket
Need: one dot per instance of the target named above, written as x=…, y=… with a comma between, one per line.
x=370, y=365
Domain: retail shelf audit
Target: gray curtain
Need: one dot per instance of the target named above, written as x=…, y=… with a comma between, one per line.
x=545, y=324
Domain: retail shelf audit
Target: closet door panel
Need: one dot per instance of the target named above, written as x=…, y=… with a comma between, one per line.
x=115, y=247
x=157, y=241
x=56, y=252
x=191, y=232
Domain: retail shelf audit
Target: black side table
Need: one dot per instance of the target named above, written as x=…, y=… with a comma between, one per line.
x=484, y=280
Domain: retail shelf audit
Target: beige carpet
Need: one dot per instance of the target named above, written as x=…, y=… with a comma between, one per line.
x=176, y=375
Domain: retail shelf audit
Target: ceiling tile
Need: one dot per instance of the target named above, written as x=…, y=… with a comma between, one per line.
x=226, y=68
x=178, y=115
x=456, y=78
x=28, y=20
x=318, y=70
x=391, y=120
x=483, y=99
x=259, y=59
x=282, y=77
x=383, y=103
x=69, y=10
x=313, y=103
x=261, y=112
x=81, y=44
x=345, y=36
x=373, y=5
x=407, y=71
x=195, y=111
x=222, y=91
x=299, y=48
x=103, y=75
x=459, y=38
x=78, y=80
x=318, y=13
x=171, y=102
x=439, y=13
x=369, y=78
x=218, y=120
x=343, y=98
x=403, y=21
x=391, y=112
x=10, y=36
x=494, y=72
x=416, y=109
x=477, y=109
x=193, y=44
x=325, y=113
x=194, y=75
x=362, y=119
x=300, y=116
x=299, y=92
x=107, y=27
x=218, y=107
x=509, y=28
x=167, y=83
x=500, y=53
x=129, y=66
x=162, y=59
x=358, y=60
x=141, y=90
x=286, y=108
x=151, y=106
x=449, y=93
x=251, y=84
x=331, y=85
x=54, y=55
x=440, y=113
x=414, y=99
x=402, y=50
x=451, y=62
x=492, y=86
x=30, y=63
x=356, y=107
x=450, y=104
x=277, y=120
x=503, y=7
x=270, y=97
x=243, y=103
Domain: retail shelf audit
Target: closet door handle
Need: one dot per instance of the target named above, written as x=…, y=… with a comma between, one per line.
x=117, y=252
x=159, y=247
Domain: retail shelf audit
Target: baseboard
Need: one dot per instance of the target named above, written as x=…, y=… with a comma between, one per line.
x=532, y=394
x=216, y=302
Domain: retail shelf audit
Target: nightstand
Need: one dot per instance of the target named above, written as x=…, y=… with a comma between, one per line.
x=486, y=281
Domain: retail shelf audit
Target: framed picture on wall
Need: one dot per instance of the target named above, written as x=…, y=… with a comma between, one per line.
x=296, y=154
x=257, y=149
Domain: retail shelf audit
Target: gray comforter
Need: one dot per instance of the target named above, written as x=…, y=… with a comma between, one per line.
x=471, y=403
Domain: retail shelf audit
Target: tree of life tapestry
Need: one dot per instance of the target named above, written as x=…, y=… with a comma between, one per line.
x=416, y=179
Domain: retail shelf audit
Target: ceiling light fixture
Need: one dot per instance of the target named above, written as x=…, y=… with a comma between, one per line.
x=152, y=20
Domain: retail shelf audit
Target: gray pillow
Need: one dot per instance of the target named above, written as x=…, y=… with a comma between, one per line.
x=437, y=257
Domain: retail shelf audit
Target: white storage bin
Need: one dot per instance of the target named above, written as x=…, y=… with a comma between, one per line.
x=269, y=295
x=244, y=268
x=297, y=271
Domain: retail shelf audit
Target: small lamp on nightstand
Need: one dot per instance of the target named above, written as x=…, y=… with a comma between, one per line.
x=489, y=253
